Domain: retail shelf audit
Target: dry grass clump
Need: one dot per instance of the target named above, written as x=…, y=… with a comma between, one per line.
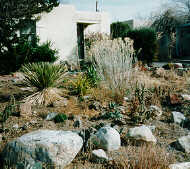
x=113, y=61
x=143, y=157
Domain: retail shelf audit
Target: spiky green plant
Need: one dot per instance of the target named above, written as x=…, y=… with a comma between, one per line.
x=42, y=75
x=45, y=77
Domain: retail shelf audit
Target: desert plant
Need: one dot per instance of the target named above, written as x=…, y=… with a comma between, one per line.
x=8, y=111
x=60, y=118
x=113, y=62
x=44, y=77
x=145, y=40
x=81, y=85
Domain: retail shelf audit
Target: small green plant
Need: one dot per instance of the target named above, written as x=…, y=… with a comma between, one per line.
x=92, y=76
x=8, y=111
x=115, y=115
x=80, y=86
x=60, y=118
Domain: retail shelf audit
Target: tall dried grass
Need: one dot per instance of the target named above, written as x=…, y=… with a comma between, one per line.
x=113, y=61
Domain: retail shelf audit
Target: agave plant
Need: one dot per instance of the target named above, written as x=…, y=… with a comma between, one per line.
x=44, y=77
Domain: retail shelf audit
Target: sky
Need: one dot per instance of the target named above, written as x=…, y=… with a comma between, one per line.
x=121, y=10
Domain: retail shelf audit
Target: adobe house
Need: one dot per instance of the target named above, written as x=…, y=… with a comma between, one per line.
x=65, y=28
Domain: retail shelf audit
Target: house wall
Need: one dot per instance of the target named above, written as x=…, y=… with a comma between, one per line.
x=60, y=27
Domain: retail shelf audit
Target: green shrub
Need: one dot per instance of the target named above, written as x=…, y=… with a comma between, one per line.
x=60, y=118
x=80, y=86
x=119, y=29
x=42, y=75
x=24, y=52
x=145, y=43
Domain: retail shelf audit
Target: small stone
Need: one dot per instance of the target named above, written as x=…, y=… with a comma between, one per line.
x=126, y=99
x=178, y=117
x=175, y=99
x=99, y=156
x=25, y=109
x=183, y=144
x=15, y=126
x=156, y=110
x=51, y=116
x=77, y=123
x=152, y=128
x=142, y=133
x=180, y=166
x=185, y=97
x=60, y=103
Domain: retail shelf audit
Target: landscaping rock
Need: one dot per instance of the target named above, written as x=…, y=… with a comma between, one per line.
x=55, y=148
x=77, y=122
x=25, y=109
x=180, y=166
x=185, y=97
x=60, y=103
x=142, y=133
x=155, y=111
x=51, y=116
x=178, y=117
x=99, y=156
x=106, y=138
x=15, y=126
x=183, y=144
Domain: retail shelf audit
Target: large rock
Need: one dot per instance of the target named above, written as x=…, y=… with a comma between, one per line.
x=142, y=133
x=178, y=117
x=180, y=166
x=106, y=138
x=50, y=147
x=183, y=144
x=99, y=156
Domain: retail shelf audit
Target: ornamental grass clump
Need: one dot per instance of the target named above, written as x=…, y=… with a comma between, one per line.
x=44, y=77
x=113, y=60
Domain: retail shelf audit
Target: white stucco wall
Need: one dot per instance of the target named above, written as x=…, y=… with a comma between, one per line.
x=60, y=27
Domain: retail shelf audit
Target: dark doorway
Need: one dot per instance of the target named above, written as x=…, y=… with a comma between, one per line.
x=80, y=37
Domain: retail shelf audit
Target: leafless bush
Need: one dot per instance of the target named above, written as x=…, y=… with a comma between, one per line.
x=113, y=61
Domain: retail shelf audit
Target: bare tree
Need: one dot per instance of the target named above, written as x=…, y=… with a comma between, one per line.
x=182, y=8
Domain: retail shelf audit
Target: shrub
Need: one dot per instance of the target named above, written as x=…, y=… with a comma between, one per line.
x=80, y=86
x=60, y=118
x=119, y=30
x=42, y=75
x=113, y=62
x=145, y=43
x=45, y=77
x=27, y=52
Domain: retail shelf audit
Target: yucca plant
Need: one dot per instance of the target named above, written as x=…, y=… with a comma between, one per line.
x=43, y=76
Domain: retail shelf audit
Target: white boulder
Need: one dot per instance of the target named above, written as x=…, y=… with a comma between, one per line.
x=50, y=147
x=178, y=117
x=141, y=133
x=106, y=138
x=180, y=166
